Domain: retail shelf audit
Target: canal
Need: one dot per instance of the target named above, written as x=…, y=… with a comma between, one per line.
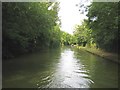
x=64, y=67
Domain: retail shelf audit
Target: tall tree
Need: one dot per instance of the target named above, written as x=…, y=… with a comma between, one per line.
x=103, y=20
x=27, y=26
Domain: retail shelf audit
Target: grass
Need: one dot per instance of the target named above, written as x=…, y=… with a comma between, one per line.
x=102, y=53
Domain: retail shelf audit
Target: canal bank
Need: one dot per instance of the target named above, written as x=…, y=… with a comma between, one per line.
x=107, y=55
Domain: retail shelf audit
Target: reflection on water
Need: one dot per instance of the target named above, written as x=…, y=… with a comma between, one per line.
x=70, y=73
x=60, y=68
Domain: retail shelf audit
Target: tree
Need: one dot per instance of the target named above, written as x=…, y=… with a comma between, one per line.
x=103, y=20
x=83, y=34
x=27, y=27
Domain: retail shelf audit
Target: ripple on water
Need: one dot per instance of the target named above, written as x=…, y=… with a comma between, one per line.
x=69, y=73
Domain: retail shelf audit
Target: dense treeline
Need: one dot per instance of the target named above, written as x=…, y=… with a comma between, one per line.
x=28, y=27
x=83, y=35
x=101, y=28
x=67, y=39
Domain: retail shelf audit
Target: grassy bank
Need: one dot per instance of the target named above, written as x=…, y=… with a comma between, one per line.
x=102, y=53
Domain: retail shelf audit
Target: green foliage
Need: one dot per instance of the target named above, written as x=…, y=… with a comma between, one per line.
x=103, y=20
x=28, y=27
x=101, y=28
x=32, y=26
x=55, y=37
x=67, y=39
x=83, y=34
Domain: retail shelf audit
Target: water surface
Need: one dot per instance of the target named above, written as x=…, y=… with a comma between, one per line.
x=60, y=68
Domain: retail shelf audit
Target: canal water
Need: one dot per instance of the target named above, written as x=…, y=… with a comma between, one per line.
x=64, y=67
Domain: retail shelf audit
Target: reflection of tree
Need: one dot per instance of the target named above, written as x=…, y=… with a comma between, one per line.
x=30, y=70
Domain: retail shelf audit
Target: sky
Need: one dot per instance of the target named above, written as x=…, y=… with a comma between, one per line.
x=70, y=15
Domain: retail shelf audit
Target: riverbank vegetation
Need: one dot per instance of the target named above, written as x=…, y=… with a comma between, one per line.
x=102, y=53
x=30, y=26
x=101, y=27
x=99, y=33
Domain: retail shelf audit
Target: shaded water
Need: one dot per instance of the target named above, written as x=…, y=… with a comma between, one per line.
x=60, y=68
